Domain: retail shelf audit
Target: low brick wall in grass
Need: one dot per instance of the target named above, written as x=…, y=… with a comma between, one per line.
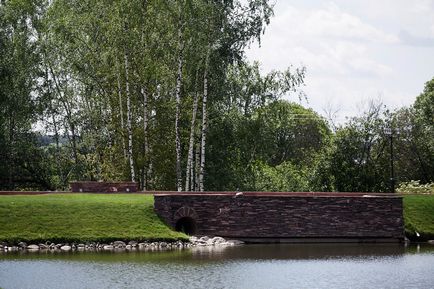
x=104, y=187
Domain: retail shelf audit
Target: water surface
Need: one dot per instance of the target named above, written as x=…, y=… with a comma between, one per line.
x=249, y=266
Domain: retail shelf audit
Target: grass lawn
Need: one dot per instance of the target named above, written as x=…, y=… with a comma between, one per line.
x=104, y=218
x=419, y=215
x=80, y=218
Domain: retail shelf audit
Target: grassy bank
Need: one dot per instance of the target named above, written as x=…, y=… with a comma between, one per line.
x=419, y=216
x=98, y=217
x=80, y=218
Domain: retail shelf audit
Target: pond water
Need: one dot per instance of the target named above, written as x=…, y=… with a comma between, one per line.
x=248, y=266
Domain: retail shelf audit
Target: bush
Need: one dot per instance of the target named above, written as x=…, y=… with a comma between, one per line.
x=285, y=177
x=414, y=187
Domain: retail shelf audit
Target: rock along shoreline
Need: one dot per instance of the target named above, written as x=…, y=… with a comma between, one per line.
x=123, y=246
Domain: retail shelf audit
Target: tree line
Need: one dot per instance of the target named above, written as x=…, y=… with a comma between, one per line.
x=160, y=92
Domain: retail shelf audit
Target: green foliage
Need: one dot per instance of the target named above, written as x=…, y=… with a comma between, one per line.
x=415, y=187
x=63, y=72
x=284, y=177
x=275, y=139
x=19, y=101
x=419, y=216
x=81, y=218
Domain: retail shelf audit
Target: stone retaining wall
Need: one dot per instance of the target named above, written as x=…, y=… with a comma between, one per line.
x=359, y=216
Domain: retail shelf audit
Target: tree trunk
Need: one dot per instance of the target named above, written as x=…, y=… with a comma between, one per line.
x=121, y=114
x=145, y=136
x=11, y=160
x=196, y=167
x=178, y=112
x=204, y=125
x=129, y=128
x=191, y=144
x=69, y=119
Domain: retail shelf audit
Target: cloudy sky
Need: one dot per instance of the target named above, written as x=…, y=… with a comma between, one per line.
x=353, y=50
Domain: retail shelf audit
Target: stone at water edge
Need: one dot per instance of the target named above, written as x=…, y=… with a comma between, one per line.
x=33, y=247
x=108, y=247
x=22, y=244
x=431, y=242
x=65, y=248
x=119, y=244
x=43, y=246
x=142, y=245
x=203, y=239
x=218, y=240
x=193, y=239
x=234, y=242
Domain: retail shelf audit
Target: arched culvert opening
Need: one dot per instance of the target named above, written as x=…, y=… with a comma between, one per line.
x=186, y=225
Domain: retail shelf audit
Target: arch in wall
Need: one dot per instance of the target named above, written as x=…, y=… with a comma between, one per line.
x=185, y=220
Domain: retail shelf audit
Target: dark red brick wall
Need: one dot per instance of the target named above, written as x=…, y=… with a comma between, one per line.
x=103, y=187
x=280, y=216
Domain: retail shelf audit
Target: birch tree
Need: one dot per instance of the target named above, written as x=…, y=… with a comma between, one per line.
x=129, y=116
x=178, y=108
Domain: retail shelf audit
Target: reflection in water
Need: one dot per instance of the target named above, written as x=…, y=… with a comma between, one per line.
x=250, y=266
x=298, y=251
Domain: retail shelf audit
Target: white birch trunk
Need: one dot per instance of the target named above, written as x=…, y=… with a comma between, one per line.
x=121, y=114
x=145, y=136
x=129, y=128
x=178, y=112
x=204, y=125
x=191, y=144
x=196, y=167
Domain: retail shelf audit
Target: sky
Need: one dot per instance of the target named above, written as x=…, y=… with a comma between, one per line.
x=354, y=51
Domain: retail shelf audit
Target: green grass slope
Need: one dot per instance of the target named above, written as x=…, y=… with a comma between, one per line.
x=419, y=216
x=104, y=218
x=80, y=218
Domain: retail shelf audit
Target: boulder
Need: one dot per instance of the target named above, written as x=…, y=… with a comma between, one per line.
x=234, y=242
x=119, y=244
x=33, y=247
x=108, y=247
x=431, y=242
x=143, y=245
x=22, y=245
x=65, y=248
x=193, y=239
x=218, y=240
x=43, y=246
x=203, y=239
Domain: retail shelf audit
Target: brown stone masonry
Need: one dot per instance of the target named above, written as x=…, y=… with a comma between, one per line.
x=285, y=215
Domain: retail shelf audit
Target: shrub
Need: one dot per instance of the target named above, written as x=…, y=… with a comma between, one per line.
x=414, y=187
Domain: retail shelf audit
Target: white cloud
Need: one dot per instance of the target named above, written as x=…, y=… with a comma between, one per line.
x=350, y=55
x=329, y=21
x=421, y=6
x=333, y=22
